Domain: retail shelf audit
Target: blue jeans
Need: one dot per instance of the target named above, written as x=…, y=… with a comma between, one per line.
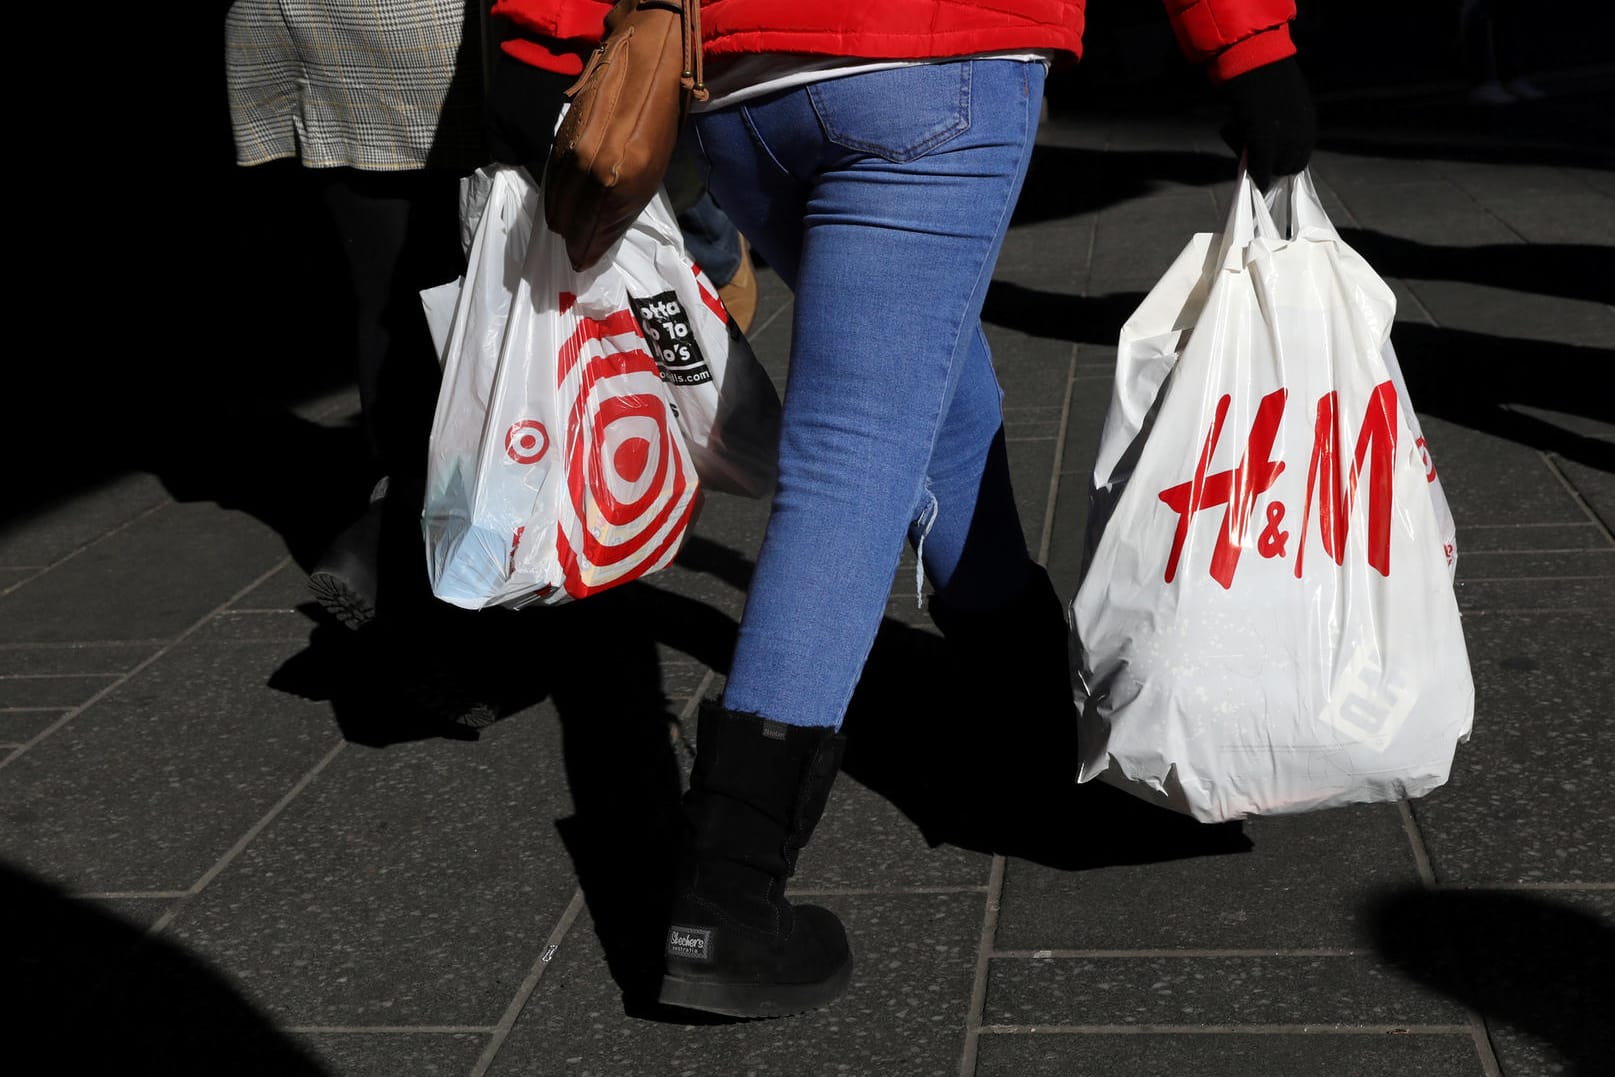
x=711, y=239
x=882, y=200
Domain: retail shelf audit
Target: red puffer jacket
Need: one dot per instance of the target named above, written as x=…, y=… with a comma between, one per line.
x=1228, y=36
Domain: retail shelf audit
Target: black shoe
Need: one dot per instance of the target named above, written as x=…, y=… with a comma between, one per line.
x=344, y=580
x=735, y=945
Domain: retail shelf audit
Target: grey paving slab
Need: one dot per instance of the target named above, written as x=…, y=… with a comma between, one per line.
x=1409, y=304
x=1031, y=463
x=153, y=579
x=1090, y=399
x=52, y=690
x=682, y=681
x=1034, y=423
x=285, y=590
x=139, y=913
x=68, y=958
x=44, y=537
x=147, y=789
x=1047, y=253
x=74, y=658
x=1596, y=488
x=393, y=1054
x=248, y=626
x=1595, y=179
x=1587, y=426
x=1489, y=480
x=1516, y=538
x=866, y=843
x=1568, y=216
x=1429, y=210
x=1533, y=965
x=1137, y=241
x=1349, y=173
x=1521, y=1052
x=1066, y=542
x=1597, y=593
x=410, y=885
x=1492, y=183
x=20, y=726
x=1519, y=316
x=1032, y=371
x=1257, y=990
x=904, y=1013
x=1318, y=1054
x=1096, y=361
x=1478, y=565
x=1303, y=885
x=1337, y=209
x=1526, y=801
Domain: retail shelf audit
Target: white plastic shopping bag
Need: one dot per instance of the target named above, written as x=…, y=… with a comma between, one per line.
x=556, y=466
x=726, y=405
x=1266, y=621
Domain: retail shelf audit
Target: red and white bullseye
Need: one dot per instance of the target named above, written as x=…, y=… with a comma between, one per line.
x=630, y=483
x=527, y=441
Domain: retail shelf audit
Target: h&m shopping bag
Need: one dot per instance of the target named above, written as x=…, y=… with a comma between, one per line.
x=556, y=466
x=1266, y=620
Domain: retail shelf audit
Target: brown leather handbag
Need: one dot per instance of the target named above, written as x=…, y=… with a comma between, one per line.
x=616, y=140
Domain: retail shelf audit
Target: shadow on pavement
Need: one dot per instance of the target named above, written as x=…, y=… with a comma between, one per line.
x=1538, y=965
x=916, y=730
x=1571, y=127
x=1065, y=181
x=599, y=663
x=1080, y=319
x=100, y=996
x=1475, y=379
x=1563, y=270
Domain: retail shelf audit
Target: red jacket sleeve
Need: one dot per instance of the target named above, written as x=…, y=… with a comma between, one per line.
x=553, y=34
x=1231, y=37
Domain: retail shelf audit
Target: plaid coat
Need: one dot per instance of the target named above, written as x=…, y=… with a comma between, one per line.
x=382, y=85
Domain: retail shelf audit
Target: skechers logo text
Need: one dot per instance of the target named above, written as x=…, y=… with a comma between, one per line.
x=691, y=944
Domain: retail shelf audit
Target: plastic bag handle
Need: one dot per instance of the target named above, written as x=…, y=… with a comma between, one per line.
x=1292, y=200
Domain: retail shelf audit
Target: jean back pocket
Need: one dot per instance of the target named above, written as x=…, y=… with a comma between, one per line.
x=901, y=113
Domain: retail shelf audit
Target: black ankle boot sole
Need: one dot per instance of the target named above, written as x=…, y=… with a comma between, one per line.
x=341, y=600
x=753, y=1000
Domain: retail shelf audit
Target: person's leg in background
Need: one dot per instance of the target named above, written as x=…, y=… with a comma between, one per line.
x=1489, y=38
x=887, y=231
x=710, y=236
x=399, y=232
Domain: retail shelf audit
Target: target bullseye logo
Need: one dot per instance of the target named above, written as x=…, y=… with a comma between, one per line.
x=630, y=485
x=527, y=441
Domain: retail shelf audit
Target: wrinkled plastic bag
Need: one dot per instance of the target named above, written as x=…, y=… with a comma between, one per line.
x=1266, y=621
x=558, y=465
x=726, y=405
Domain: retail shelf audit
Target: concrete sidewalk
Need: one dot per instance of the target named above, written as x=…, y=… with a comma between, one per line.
x=219, y=856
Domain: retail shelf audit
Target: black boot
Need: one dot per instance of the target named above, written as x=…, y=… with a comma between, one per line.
x=344, y=580
x=735, y=945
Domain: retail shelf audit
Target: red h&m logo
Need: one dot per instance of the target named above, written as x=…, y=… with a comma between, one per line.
x=1236, y=489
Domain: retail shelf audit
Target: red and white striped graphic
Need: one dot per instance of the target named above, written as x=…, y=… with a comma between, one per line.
x=630, y=483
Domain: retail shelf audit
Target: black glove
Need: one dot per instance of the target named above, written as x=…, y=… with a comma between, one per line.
x=521, y=107
x=1271, y=120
